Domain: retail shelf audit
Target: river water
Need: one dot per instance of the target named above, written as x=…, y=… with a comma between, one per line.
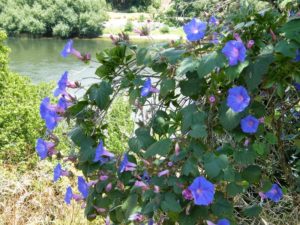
x=40, y=59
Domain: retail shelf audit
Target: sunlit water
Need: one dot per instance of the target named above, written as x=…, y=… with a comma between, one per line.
x=40, y=59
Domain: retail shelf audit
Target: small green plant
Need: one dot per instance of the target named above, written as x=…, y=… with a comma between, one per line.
x=128, y=26
x=164, y=30
x=141, y=18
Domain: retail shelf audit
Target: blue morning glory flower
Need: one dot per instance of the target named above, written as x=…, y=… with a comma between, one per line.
x=100, y=152
x=249, y=124
x=195, y=29
x=43, y=148
x=147, y=88
x=213, y=20
x=146, y=177
x=62, y=85
x=68, y=49
x=151, y=222
x=57, y=172
x=203, y=191
x=48, y=113
x=51, y=120
x=62, y=104
x=126, y=165
x=297, y=86
x=220, y=222
x=275, y=193
x=83, y=187
x=234, y=51
x=68, y=195
x=238, y=98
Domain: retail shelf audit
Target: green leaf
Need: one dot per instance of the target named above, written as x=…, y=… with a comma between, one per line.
x=170, y=203
x=198, y=131
x=244, y=157
x=130, y=204
x=228, y=118
x=252, y=211
x=192, y=87
x=160, y=122
x=100, y=94
x=190, y=167
x=186, y=65
x=233, y=72
x=292, y=29
x=209, y=62
x=221, y=207
x=286, y=49
x=144, y=137
x=162, y=148
x=166, y=86
x=233, y=189
x=271, y=139
x=252, y=173
x=259, y=148
x=191, y=116
x=255, y=71
x=212, y=169
x=172, y=55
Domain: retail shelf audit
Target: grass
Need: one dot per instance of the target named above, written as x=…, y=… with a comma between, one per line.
x=33, y=199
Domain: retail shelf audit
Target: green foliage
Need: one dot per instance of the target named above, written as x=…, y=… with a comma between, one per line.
x=20, y=125
x=120, y=126
x=128, y=26
x=164, y=30
x=54, y=17
x=181, y=132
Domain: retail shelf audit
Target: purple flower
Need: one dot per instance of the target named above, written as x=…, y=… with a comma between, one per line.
x=151, y=222
x=250, y=44
x=203, y=191
x=63, y=104
x=126, y=165
x=146, y=177
x=136, y=217
x=297, y=58
x=68, y=49
x=108, y=187
x=238, y=98
x=187, y=194
x=234, y=51
x=68, y=195
x=249, y=124
x=215, y=39
x=195, y=29
x=83, y=187
x=142, y=185
x=297, y=86
x=213, y=20
x=220, y=222
x=49, y=114
x=58, y=172
x=163, y=173
x=212, y=99
x=44, y=148
x=275, y=193
x=100, y=152
x=147, y=88
x=62, y=85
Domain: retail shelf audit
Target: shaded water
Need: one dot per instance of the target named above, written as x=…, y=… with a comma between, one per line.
x=40, y=59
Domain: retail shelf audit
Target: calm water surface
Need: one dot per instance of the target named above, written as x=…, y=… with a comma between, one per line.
x=40, y=59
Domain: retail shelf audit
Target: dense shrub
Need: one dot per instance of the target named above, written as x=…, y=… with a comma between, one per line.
x=128, y=26
x=20, y=124
x=164, y=29
x=217, y=124
x=53, y=17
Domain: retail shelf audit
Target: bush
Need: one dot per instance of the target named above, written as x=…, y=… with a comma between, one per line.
x=120, y=126
x=54, y=17
x=164, y=30
x=217, y=130
x=128, y=26
x=19, y=114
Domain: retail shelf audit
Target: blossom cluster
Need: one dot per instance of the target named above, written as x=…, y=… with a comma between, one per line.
x=201, y=190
